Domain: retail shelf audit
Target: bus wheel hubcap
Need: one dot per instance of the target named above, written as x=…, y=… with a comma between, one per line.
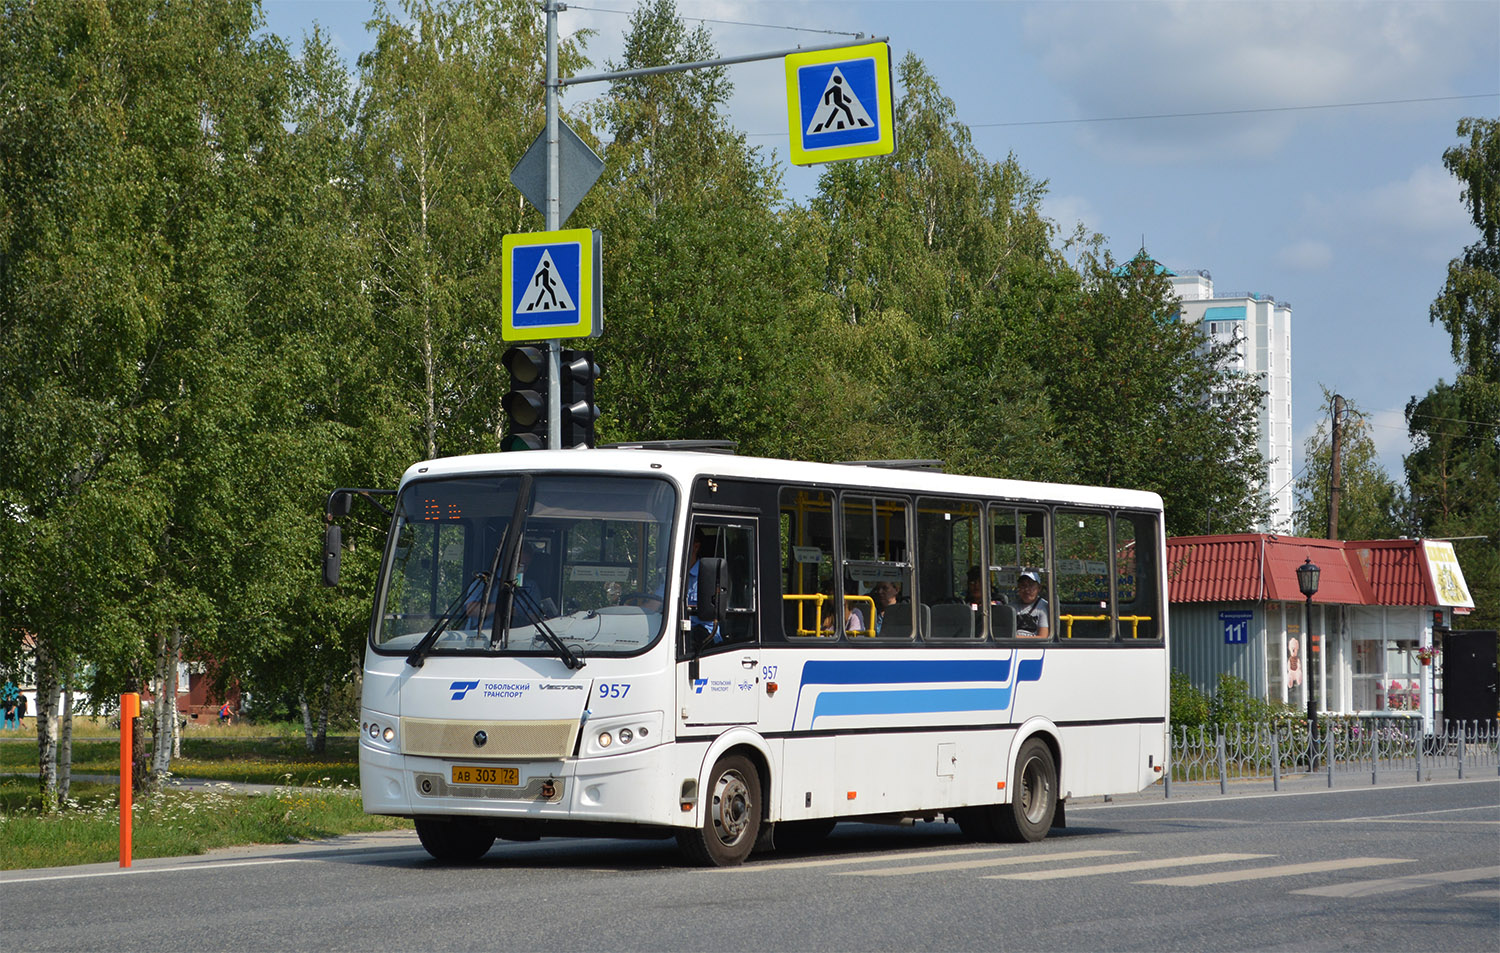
x=731, y=807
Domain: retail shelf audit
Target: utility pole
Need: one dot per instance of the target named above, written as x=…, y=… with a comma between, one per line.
x=1336, y=467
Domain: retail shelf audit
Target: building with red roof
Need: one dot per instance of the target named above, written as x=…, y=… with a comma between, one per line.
x=1236, y=607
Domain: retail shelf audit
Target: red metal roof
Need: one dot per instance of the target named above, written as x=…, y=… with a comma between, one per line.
x=1396, y=571
x=1255, y=567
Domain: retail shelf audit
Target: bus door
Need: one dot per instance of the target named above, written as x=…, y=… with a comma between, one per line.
x=719, y=659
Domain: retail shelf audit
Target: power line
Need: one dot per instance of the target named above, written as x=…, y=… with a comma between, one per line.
x=763, y=26
x=1231, y=112
x=1212, y=112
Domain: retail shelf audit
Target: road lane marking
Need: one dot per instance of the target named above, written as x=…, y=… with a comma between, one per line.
x=986, y=862
x=1483, y=894
x=136, y=871
x=1265, y=873
x=1370, y=888
x=1447, y=810
x=1127, y=866
x=871, y=859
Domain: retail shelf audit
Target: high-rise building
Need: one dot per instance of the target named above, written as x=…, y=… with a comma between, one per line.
x=1259, y=328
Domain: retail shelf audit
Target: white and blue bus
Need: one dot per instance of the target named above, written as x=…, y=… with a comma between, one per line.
x=742, y=652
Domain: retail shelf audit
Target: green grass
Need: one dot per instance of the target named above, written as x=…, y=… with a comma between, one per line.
x=315, y=796
x=171, y=823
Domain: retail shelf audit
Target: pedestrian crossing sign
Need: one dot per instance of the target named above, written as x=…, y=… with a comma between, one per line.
x=839, y=104
x=549, y=282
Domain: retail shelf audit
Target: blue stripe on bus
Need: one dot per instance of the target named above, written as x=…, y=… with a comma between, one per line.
x=1030, y=670
x=832, y=672
x=919, y=701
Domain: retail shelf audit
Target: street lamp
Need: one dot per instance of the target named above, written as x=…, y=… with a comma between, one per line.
x=1307, y=581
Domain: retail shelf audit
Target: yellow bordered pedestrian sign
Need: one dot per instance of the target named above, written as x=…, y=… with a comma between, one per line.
x=839, y=104
x=550, y=285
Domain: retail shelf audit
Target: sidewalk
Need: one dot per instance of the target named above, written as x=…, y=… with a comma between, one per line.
x=1344, y=779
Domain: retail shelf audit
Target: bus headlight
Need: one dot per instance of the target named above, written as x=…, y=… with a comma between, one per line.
x=631, y=732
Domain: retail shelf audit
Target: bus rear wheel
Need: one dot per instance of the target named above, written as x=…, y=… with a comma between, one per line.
x=731, y=816
x=454, y=841
x=1033, y=802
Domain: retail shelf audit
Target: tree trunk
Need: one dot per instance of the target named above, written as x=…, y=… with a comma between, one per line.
x=307, y=722
x=177, y=724
x=165, y=711
x=326, y=702
x=137, y=739
x=46, y=726
x=65, y=747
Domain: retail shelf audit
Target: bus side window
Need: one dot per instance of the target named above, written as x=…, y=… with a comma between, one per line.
x=806, y=531
x=1085, y=609
x=1136, y=561
x=874, y=552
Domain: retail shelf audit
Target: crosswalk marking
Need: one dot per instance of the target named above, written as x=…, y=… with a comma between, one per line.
x=986, y=862
x=868, y=859
x=1369, y=888
x=1127, y=866
x=1265, y=873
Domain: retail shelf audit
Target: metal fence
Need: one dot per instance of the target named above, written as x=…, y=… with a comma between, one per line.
x=1344, y=748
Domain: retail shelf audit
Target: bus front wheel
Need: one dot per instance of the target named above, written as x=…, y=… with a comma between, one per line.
x=454, y=841
x=731, y=816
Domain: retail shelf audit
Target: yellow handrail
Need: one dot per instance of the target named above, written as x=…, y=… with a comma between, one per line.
x=818, y=598
x=869, y=616
x=1134, y=620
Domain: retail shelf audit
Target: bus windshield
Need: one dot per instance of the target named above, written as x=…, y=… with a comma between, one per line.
x=591, y=567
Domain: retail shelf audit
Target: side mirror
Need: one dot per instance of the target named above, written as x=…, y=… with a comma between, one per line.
x=333, y=545
x=713, y=586
x=339, y=503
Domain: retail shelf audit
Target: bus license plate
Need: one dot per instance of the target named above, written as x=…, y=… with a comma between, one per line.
x=469, y=774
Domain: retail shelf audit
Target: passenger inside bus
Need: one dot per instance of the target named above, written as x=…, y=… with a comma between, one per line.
x=1031, y=608
x=886, y=593
x=854, y=622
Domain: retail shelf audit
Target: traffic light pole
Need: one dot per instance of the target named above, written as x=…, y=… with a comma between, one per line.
x=554, y=164
x=554, y=220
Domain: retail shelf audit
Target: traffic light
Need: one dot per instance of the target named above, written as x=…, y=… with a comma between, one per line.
x=578, y=409
x=526, y=402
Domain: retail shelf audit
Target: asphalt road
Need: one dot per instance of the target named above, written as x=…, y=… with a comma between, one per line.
x=1396, y=867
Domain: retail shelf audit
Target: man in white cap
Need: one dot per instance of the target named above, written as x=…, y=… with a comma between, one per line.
x=1031, y=608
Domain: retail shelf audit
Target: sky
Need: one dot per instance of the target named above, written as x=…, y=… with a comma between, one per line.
x=1293, y=149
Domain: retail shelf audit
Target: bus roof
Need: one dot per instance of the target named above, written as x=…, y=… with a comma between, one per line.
x=686, y=466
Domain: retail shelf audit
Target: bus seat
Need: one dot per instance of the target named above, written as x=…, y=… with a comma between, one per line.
x=952, y=620
x=1003, y=621
x=925, y=615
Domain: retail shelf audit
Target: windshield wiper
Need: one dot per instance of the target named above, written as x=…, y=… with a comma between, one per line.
x=420, y=650
x=508, y=553
x=558, y=645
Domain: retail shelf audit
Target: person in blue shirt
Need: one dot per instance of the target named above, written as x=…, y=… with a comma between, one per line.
x=701, y=633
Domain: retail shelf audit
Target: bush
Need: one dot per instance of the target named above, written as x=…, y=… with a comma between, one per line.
x=1190, y=707
x=1231, y=704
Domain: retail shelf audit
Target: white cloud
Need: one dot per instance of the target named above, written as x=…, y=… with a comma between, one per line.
x=1069, y=211
x=1420, y=216
x=1306, y=255
x=1429, y=200
x=1132, y=59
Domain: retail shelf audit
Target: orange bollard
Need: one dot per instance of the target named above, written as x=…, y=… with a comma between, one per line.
x=130, y=709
